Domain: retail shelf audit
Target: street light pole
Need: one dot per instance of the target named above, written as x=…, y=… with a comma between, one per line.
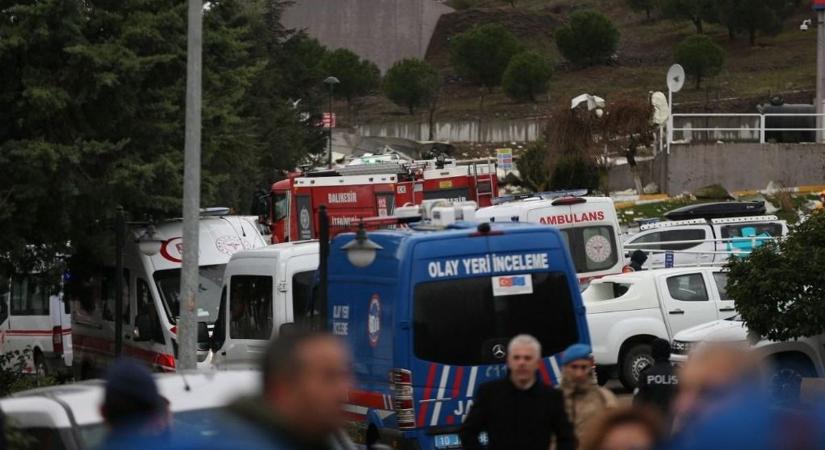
x=187, y=323
x=820, y=71
x=331, y=82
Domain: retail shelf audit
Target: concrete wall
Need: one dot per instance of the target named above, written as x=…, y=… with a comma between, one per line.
x=743, y=166
x=383, y=31
x=523, y=130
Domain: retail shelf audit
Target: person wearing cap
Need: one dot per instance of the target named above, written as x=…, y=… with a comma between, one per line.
x=637, y=260
x=133, y=409
x=583, y=398
x=658, y=383
x=519, y=411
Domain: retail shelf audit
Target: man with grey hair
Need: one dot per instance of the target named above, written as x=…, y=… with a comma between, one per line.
x=518, y=412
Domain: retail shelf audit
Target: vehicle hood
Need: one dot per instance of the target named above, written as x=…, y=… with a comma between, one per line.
x=716, y=331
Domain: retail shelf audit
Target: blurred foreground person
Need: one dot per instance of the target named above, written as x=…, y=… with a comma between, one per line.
x=306, y=380
x=583, y=398
x=625, y=429
x=132, y=408
x=722, y=404
x=518, y=412
x=658, y=383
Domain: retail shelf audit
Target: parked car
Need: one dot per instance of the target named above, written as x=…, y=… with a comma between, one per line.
x=789, y=361
x=626, y=312
x=703, y=241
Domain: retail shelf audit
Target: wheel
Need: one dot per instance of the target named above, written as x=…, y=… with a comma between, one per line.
x=786, y=378
x=40, y=368
x=636, y=359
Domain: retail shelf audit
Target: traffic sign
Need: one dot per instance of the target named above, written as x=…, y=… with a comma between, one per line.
x=504, y=158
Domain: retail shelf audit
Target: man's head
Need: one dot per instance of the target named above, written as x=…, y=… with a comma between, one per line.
x=577, y=364
x=523, y=359
x=131, y=397
x=307, y=377
x=639, y=257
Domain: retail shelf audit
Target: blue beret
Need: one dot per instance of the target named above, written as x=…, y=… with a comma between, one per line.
x=131, y=381
x=576, y=352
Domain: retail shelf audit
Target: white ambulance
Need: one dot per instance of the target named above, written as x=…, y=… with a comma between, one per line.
x=151, y=282
x=262, y=289
x=36, y=321
x=589, y=225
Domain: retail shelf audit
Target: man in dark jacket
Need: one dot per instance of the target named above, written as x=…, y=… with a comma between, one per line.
x=518, y=412
x=637, y=260
x=658, y=383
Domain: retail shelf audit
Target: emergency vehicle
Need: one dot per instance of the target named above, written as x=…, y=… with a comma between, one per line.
x=589, y=226
x=35, y=318
x=372, y=188
x=151, y=283
x=429, y=310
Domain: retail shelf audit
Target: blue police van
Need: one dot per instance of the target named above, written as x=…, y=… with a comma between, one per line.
x=429, y=312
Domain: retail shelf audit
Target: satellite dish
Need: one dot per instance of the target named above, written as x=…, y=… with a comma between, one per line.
x=675, y=78
x=661, y=110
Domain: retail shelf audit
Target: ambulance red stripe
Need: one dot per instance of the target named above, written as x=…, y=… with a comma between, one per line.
x=428, y=390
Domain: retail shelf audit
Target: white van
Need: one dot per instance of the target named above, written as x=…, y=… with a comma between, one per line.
x=152, y=285
x=589, y=225
x=35, y=318
x=702, y=241
x=262, y=290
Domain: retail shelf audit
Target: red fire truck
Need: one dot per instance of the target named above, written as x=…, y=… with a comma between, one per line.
x=356, y=191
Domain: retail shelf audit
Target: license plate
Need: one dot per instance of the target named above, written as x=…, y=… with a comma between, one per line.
x=447, y=441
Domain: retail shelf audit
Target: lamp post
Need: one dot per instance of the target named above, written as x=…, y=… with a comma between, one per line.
x=331, y=82
x=819, y=7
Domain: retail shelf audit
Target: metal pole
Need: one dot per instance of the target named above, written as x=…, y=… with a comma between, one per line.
x=329, y=155
x=120, y=238
x=820, y=72
x=187, y=322
x=669, y=119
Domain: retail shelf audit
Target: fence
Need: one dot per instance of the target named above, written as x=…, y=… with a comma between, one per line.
x=761, y=128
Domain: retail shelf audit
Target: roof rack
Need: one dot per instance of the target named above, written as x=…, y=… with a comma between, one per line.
x=672, y=223
x=745, y=219
x=545, y=195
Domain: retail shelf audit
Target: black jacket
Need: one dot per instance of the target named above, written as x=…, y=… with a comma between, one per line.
x=657, y=386
x=517, y=420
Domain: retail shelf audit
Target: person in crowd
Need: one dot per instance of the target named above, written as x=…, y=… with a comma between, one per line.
x=658, y=383
x=133, y=409
x=306, y=381
x=583, y=398
x=637, y=260
x=628, y=428
x=722, y=404
x=518, y=412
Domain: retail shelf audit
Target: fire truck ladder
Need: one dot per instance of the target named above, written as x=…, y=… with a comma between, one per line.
x=372, y=169
x=491, y=170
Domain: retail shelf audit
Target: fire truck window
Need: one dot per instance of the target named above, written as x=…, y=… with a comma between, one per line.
x=147, y=313
x=460, y=321
x=280, y=204
x=29, y=296
x=250, y=307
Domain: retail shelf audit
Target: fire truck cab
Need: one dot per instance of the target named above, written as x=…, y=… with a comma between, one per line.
x=372, y=188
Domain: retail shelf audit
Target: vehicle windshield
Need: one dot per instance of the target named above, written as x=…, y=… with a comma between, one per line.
x=459, y=322
x=209, y=292
x=593, y=248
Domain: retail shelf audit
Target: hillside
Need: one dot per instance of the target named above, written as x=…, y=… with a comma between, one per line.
x=784, y=64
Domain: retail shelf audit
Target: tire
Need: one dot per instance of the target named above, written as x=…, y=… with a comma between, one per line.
x=786, y=377
x=635, y=359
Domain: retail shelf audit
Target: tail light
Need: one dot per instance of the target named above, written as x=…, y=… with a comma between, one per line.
x=57, y=339
x=402, y=398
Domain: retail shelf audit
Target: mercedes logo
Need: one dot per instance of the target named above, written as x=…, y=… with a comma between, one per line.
x=499, y=352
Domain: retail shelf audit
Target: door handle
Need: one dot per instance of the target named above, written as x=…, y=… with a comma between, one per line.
x=727, y=309
x=676, y=311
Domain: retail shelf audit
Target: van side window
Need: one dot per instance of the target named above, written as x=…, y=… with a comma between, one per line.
x=751, y=230
x=304, y=292
x=147, y=313
x=659, y=240
x=109, y=296
x=721, y=279
x=688, y=287
x=250, y=307
x=29, y=297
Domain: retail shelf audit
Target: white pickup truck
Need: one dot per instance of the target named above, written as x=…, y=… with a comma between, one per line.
x=626, y=312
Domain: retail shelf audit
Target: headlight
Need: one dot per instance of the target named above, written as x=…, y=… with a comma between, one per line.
x=682, y=347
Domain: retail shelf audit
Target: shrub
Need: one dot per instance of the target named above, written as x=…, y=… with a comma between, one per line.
x=589, y=38
x=526, y=76
x=700, y=57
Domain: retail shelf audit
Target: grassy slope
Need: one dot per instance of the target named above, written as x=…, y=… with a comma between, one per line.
x=781, y=64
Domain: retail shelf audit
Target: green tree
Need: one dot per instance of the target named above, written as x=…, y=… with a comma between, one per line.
x=700, y=56
x=411, y=83
x=696, y=11
x=532, y=166
x=575, y=172
x=358, y=77
x=588, y=38
x=483, y=52
x=754, y=16
x=526, y=76
x=646, y=6
x=779, y=287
